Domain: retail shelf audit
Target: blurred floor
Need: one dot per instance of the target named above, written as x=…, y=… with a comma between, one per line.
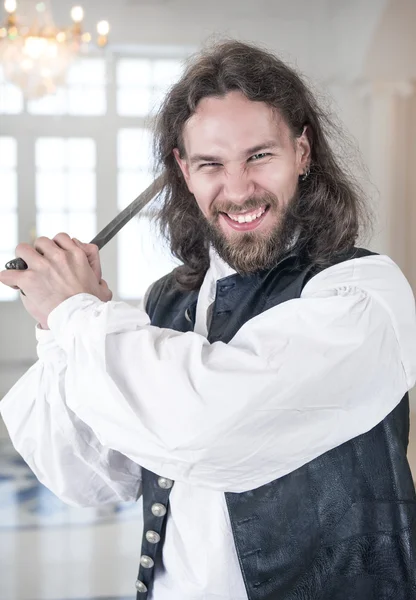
x=51, y=551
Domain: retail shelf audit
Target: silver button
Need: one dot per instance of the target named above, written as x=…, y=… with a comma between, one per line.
x=152, y=537
x=140, y=587
x=159, y=510
x=188, y=315
x=165, y=483
x=146, y=561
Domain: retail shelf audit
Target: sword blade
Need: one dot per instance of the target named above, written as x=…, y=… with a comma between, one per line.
x=128, y=213
x=110, y=230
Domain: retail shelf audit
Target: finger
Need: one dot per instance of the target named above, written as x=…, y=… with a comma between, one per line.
x=91, y=250
x=54, y=252
x=104, y=284
x=13, y=279
x=32, y=258
x=46, y=246
x=92, y=253
x=108, y=294
x=63, y=240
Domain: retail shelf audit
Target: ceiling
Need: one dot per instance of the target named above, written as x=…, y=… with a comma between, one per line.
x=325, y=36
x=284, y=9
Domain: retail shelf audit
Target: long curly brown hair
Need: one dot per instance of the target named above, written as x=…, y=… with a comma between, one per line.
x=329, y=208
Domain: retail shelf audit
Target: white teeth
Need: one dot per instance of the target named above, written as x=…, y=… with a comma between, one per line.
x=246, y=218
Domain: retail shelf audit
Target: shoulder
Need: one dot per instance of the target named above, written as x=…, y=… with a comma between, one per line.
x=384, y=284
x=377, y=274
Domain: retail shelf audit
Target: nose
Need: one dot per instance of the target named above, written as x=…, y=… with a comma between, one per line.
x=238, y=185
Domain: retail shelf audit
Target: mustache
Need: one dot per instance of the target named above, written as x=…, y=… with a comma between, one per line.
x=249, y=204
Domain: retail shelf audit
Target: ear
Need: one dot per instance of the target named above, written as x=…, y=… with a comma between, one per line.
x=184, y=167
x=303, y=149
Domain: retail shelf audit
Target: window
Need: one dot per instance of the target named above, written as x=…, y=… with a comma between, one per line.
x=146, y=258
x=65, y=187
x=143, y=257
x=61, y=161
x=142, y=83
x=84, y=93
x=11, y=98
x=134, y=158
x=8, y=207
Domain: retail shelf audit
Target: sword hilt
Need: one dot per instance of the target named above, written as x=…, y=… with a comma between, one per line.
x=17, y=264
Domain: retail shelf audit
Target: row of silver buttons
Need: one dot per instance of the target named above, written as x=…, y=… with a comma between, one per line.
x=158, y=510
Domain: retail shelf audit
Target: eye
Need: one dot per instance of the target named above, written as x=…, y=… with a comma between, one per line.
x=259, y=156
x=209, y=165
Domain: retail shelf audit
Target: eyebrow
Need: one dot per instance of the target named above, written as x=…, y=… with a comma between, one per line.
x=195, y=158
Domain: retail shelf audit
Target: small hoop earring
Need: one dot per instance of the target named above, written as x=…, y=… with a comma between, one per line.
x=306, y=173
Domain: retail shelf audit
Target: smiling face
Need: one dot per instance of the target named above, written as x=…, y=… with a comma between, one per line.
x=242, y=165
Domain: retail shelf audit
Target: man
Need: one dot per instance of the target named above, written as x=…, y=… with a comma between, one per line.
x=260, y=404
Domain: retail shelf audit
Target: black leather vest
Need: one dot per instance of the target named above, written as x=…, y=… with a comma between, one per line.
x=343, y=526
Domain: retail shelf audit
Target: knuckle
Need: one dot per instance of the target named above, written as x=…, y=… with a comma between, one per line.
x=42, y=239
x=54, y=255
x=90, y=250
x=55, y=252
x=78, y=253
x=41, y=243
x=61, y=235
x=21, y=247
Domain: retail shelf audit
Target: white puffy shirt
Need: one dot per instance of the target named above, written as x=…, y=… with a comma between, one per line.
x=110, y=392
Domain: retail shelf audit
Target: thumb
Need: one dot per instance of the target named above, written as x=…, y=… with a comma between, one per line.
x=107, y=294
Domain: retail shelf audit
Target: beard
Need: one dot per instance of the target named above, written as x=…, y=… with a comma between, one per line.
x=252, y=251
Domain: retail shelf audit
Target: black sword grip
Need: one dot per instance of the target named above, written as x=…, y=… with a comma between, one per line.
x=18, y=264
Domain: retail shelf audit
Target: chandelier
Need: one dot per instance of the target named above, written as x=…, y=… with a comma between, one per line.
x=36, y=58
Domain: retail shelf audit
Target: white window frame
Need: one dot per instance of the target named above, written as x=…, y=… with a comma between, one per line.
x=26, y=128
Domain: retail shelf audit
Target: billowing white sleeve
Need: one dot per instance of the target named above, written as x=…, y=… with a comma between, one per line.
x=295, y=381
x=61, y=450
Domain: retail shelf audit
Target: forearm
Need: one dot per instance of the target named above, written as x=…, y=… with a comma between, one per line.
x=232, y=416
